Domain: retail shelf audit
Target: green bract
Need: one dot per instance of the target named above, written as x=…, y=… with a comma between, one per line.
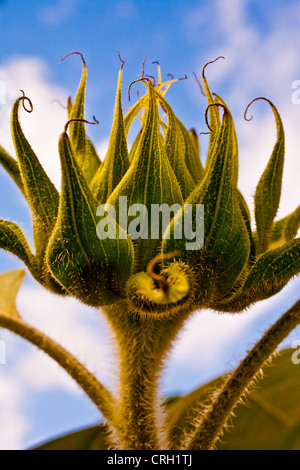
x=235, y=266
x=150, y=235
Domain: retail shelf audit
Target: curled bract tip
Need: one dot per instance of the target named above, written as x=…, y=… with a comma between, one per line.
x=161, y=281
x=176, y=79
x=56, y=100
x=75, y=52
x=210, y=62
x=143, y=66
x=25, y=98
x=80, y=120
x=155, y=62
x=199, y=84
x=142, y=79
x=121, y=60
x=152, y=78
x=205, y=133
x=256, y=99
x=206, y=112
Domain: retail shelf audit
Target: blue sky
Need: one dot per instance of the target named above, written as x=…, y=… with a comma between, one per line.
x=260, y=41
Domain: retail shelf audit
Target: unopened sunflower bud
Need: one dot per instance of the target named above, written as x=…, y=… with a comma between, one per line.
x=154, y=203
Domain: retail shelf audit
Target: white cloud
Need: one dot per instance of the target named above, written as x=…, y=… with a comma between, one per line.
x=102, y=148
x=43, y=126
x=81, y=330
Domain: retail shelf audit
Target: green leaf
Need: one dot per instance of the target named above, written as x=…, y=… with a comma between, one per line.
x=235, y=157
x=175, y=148
x=12, y=239
x=284, y=230
x=12, y=168
x=268, y=191
x=270, y=273
x=10, y=283
x=192, y=152
x=269, y=421
x=214, y=115
x=77, y=129
x=93, y=162
x=226, y=242
x=91, y=159
x=273, y=268
x=195, y=140
x=40, y=192
x=84, y=150
x=92, y=438
x=247, y=218
x=92, y=269
x=132, y=113
x=116, y=162
x=150, y=180
x=135, y=145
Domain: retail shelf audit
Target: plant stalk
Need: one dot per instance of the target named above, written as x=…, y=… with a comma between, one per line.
x=143, y=342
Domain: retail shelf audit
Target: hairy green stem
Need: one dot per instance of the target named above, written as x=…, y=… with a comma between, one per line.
x=212, y=422
x=143, y=342
x=99, y=395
